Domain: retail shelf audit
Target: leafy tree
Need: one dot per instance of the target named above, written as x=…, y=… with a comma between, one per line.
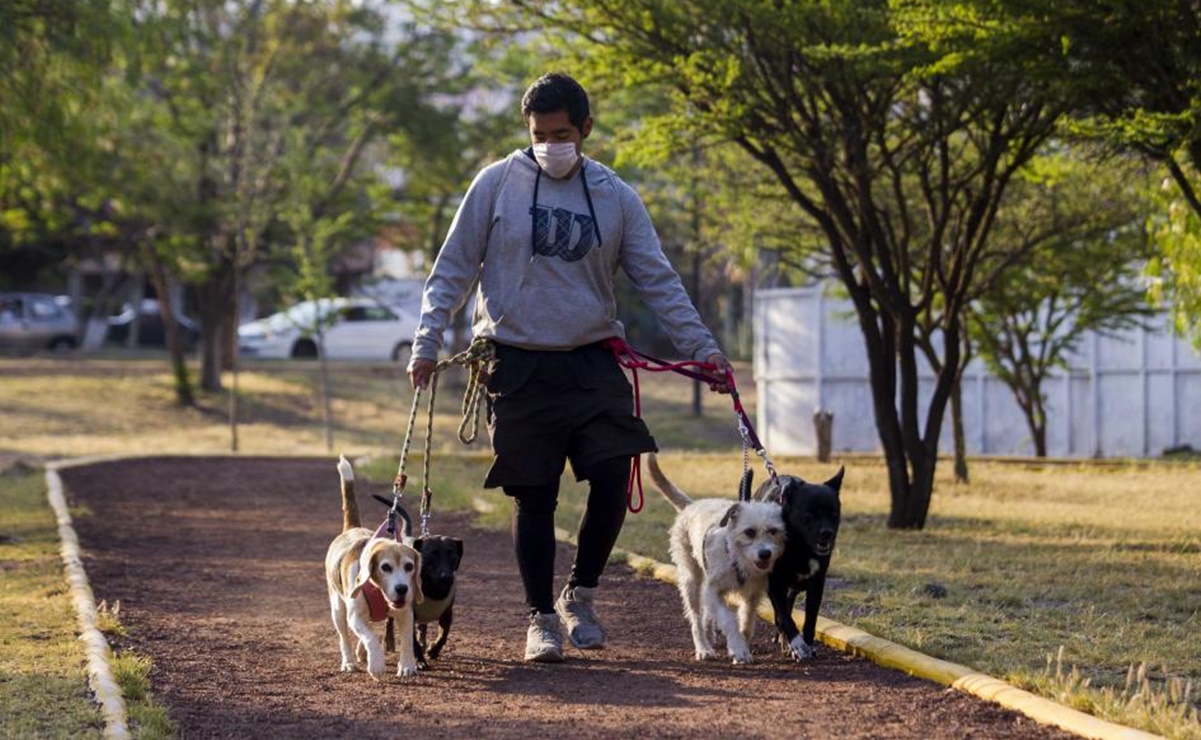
x=1083, y=277
x=223, y=87
x=1175, y=269
x=1136, y=67
x=472, y=119
x=52, y=55
x=52, y=60
x=895, y=129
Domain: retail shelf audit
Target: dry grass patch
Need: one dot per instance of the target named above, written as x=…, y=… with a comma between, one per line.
x=1103, y=560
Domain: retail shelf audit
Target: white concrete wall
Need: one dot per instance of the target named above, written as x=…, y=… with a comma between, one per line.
x=1131, y=396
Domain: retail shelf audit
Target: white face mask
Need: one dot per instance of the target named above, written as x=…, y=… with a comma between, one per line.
x=556, y=158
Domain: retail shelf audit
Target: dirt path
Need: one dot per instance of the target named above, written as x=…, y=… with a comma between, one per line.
x=217, y=564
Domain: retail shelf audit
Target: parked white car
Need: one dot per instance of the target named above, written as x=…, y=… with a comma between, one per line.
x=352, y=329
x=37, y=321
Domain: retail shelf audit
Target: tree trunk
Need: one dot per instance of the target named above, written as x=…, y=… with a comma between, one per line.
x=910, y=454
x=1040, y=440
x=323, y=371
x=823, y=432
x=961, y=472
x=1038, y=422
x=179, y=366
x=215, y=295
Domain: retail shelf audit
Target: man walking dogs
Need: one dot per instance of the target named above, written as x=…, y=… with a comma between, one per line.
x=543, y=231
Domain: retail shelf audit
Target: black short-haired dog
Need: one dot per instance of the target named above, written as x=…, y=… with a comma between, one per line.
x=812, y=513
x=440, y=558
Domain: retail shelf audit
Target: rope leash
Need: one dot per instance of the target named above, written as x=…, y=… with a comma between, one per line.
x=633, y=360
x=475, y=359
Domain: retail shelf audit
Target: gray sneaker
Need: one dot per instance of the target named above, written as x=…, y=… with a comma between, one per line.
x=583, y=627
x=544, y=639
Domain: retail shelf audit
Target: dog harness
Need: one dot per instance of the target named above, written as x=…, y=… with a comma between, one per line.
x=430, y=611
x=739, y=573
x=377, y=605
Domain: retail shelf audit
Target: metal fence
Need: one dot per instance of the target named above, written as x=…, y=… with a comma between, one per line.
x=1134, y=395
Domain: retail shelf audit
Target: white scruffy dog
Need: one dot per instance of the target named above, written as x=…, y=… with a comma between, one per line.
x=721, y=548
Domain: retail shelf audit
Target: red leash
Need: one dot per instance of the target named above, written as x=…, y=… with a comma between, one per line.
x=706, y=372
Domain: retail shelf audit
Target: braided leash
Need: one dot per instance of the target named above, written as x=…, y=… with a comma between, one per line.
x=475, y=359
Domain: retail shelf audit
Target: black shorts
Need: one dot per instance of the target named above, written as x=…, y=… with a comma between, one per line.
x=548, y=407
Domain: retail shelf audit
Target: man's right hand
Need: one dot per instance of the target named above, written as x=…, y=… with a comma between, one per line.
x=420, y=370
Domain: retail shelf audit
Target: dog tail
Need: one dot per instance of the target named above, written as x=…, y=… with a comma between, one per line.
x=678, y=498
x=350, y=504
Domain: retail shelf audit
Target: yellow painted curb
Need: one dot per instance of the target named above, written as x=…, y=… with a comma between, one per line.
x=100, y=675
x=891, y=655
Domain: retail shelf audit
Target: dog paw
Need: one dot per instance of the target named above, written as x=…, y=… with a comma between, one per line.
x=800, y=649
x=706, y=654
x=348, y=667
x=406, y=670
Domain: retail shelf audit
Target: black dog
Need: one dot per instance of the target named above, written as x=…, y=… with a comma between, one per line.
x=440, y=558
x=812, y=513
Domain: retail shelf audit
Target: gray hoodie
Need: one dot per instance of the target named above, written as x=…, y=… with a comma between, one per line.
x=545, y=274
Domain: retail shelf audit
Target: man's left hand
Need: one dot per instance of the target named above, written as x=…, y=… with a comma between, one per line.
x=722, y=367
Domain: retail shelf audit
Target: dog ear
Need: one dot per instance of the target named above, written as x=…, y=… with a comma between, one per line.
x=836, y=481
x=366, y=568
x=731, y=515
x=417, y=544
x=418, y=594
x=458, y=545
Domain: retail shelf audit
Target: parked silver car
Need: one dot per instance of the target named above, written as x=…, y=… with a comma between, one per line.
x=36, y=321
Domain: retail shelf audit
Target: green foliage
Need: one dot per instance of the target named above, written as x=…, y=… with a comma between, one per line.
x=1136, y=66
x=1080, y=221
x=1176, y=268
x=1136, y=71
x=893, y=129
x=52, y=57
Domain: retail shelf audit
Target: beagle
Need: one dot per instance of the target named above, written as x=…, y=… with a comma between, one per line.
x=369, y=579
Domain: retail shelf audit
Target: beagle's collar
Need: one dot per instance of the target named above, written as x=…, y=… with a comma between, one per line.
x=377, y=604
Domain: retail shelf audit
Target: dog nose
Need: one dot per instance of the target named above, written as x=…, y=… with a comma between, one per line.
x=401, y=590
x=765, y=554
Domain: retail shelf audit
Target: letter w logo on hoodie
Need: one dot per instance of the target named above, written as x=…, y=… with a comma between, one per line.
x=562, y=233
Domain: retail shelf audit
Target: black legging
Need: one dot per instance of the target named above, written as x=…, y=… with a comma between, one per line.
x=534, y=530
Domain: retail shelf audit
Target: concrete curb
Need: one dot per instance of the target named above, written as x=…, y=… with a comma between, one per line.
x=100, y=676
x=891, y=655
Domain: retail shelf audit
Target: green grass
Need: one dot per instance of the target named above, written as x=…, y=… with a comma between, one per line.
x=1103, y=561
x=43, y=683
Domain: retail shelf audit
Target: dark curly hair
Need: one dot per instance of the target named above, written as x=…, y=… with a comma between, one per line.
x=556, y=91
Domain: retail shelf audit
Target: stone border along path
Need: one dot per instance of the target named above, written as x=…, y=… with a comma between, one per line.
x=835, y=635
x=100, y=675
